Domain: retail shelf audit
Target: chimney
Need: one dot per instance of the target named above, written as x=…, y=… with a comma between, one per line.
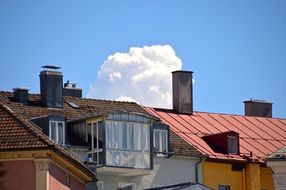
x=21, y=95
x=182, y=91
x=259, y=108
x=51, y=84
x=70, y=89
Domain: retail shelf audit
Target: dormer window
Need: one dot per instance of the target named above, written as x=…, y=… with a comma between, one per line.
x=161, y=139
x=225, y=143
x=54, y=126
x=232, y=143
x=57, y=131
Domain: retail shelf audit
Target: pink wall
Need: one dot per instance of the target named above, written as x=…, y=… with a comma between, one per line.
x=20, y=175
x=59, y=180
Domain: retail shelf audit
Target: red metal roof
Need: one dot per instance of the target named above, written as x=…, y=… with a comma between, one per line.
x=258, y=136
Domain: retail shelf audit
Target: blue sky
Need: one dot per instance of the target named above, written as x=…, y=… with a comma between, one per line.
x=237, y=49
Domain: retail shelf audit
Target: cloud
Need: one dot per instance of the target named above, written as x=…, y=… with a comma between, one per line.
x=142, y=75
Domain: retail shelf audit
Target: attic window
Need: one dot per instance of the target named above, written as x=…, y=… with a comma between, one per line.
x=73, y=105
x=161, y=139
x=232, y=143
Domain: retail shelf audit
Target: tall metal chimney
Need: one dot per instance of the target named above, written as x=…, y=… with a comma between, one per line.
x=51, y=84
x=259, y=108
x=182, y=91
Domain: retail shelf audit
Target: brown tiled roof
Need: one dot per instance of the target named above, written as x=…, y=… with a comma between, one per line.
x=181, y=147
x=86, y=106
x=258, y=136
x=16, y=133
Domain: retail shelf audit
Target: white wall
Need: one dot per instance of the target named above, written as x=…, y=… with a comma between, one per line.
x=279, y=173
x=166, y=171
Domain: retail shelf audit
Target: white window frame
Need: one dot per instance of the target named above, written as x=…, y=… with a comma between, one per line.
x=160, y=149
x=57, y=131
x=130, y=150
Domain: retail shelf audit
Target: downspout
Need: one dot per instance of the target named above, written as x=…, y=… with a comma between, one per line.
x=197, y=169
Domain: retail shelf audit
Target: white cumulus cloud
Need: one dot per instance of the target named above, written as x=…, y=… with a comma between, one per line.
x=142, y=75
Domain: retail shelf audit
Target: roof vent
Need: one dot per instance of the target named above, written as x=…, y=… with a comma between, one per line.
x=259, y=108
x=21, y=95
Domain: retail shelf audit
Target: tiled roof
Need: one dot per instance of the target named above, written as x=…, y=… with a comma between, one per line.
x=16, y=133
x=259, y=136
x=85, y=106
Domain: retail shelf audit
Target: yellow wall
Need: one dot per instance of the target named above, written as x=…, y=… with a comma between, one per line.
x=266, y=179
x=215, y=174
x=253, y=177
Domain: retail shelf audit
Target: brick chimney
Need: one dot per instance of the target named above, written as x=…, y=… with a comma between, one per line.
x=259, y=108
x=182, y=91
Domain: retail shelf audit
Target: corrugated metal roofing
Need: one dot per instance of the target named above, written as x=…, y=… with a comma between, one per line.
x=259, y=136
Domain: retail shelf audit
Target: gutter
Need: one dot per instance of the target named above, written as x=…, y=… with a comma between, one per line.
x=197, y=169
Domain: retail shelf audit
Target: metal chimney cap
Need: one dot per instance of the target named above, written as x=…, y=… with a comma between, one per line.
x=257, y=101
x=51, y=67
x=181, y=71
x=21, y=88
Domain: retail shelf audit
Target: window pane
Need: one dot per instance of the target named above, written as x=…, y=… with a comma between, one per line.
x=138, y=160
x=139, y=118
x=146, y=160
x=163, y=141
x=100, y=134
x=116, y=117
x=108, y=134
x=131, y=160
x=130, y=137
x=116, y=158
x=124, y=159
x=124, y=117
x=109, y=158
x=60, y=133
x=232, y=145
x=53, y=131
x=132, y=117
x=145, y=138
x=137, y=136
x=88, y=133
x=157, y=140
x=124, y=135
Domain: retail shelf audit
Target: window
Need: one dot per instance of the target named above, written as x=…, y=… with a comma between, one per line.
x=223, y=187
x=127, y=142
x=94, y=135
x=232, y=145
x=57, y=131
x=160, y=139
